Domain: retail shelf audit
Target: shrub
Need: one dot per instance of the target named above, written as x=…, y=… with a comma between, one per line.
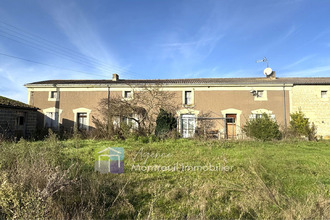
x=165, y=123
x=263, y=128
x=300, y=126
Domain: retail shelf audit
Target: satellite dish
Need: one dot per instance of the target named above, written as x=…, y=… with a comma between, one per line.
x=268, y=71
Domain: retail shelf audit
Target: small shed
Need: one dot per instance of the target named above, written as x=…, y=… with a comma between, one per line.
x=17, y=119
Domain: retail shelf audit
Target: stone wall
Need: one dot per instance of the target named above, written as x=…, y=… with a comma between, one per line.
x=317, y=109
x=9, y=126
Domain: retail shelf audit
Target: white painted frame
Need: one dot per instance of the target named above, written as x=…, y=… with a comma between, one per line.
x=52, y=109
x=81, y=110
x=238, y=117
x=128, y=90
x=264, y=95
x=50, y=95
x=187, y=112
x=192, y=90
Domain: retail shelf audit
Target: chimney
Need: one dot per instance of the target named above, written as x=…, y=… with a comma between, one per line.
x=115, y=77
x=272, y=76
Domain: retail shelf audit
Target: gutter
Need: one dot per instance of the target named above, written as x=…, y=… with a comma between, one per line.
x=19, y=107
x=154, y=84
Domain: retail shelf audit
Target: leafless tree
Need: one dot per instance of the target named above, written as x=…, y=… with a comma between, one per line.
x=142, y=109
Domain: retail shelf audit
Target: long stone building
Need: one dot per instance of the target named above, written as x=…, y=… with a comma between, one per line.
x=71, y=103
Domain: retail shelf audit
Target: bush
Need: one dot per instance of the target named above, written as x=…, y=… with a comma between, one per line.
x=300, y=126
x=165, y=123
x=263, y=128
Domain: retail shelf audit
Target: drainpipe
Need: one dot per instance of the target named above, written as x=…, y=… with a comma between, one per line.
x=57, y=107
x=108, y=113
x=284, y=107
x=108, y=98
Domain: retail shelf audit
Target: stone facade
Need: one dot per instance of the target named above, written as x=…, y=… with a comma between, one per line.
x=220, y=98
x=215, y=101
x=12, y=125
x=317, y=109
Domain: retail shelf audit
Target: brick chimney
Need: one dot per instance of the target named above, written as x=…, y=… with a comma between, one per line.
x=272, y=76
x=115, y=77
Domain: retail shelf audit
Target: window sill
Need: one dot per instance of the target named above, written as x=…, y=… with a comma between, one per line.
x=188, y=106
x=126, y=99
x=260, y=99
x=53, y=99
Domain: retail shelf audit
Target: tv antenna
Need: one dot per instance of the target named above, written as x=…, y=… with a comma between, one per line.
x=263, y=60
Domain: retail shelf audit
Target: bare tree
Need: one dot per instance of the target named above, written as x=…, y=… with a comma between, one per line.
x=141, y=109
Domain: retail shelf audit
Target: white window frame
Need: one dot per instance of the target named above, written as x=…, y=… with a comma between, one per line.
x=52, y=109
x=261, y=111
x=117, y=120
x=81, y=110
x=123, y=94
x=186, y=112
x=131, y=122
x=326, y=94
x=50, y=95
x=192, y=98
x=238, y=118
x=187, y=117
x=263, y=97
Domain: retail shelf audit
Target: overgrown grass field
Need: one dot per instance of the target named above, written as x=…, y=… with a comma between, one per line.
x=258, y=180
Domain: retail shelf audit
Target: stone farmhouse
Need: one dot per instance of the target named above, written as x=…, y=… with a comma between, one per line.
x=72, y=103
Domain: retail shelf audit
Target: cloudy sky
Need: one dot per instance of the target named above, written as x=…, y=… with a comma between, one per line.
x=139, y=39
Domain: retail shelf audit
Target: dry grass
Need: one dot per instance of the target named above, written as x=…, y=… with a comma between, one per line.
x=56, y=180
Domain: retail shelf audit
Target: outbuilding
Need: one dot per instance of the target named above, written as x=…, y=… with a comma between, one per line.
x=17, y=119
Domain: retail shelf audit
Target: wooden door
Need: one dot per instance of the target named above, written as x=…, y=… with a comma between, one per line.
x=231, y=125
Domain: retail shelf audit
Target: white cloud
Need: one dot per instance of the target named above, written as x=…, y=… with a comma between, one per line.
x=300, y=61
x=322, y=71
x=84, y=36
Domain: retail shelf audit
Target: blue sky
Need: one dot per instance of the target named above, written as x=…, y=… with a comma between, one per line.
x=160, y=39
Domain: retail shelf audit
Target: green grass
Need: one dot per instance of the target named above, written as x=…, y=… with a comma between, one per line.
x=284, y=179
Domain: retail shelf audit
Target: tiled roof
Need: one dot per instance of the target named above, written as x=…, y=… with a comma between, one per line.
x=10, y=103
x=229, y=81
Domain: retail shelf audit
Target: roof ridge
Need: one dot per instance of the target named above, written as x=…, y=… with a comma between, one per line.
x=4, y=101
x=244, y=80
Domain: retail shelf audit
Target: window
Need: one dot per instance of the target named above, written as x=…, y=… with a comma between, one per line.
x=127, y=94
x=82, y=121
x=131, y=122
x=260, y=93
x=53, y=94
x=51, y=120
x=187, y=98
x=231, y=118
x=187, y=126
x=258, y=115
x=81, y=118
x=20, y=120
x=324, y=94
